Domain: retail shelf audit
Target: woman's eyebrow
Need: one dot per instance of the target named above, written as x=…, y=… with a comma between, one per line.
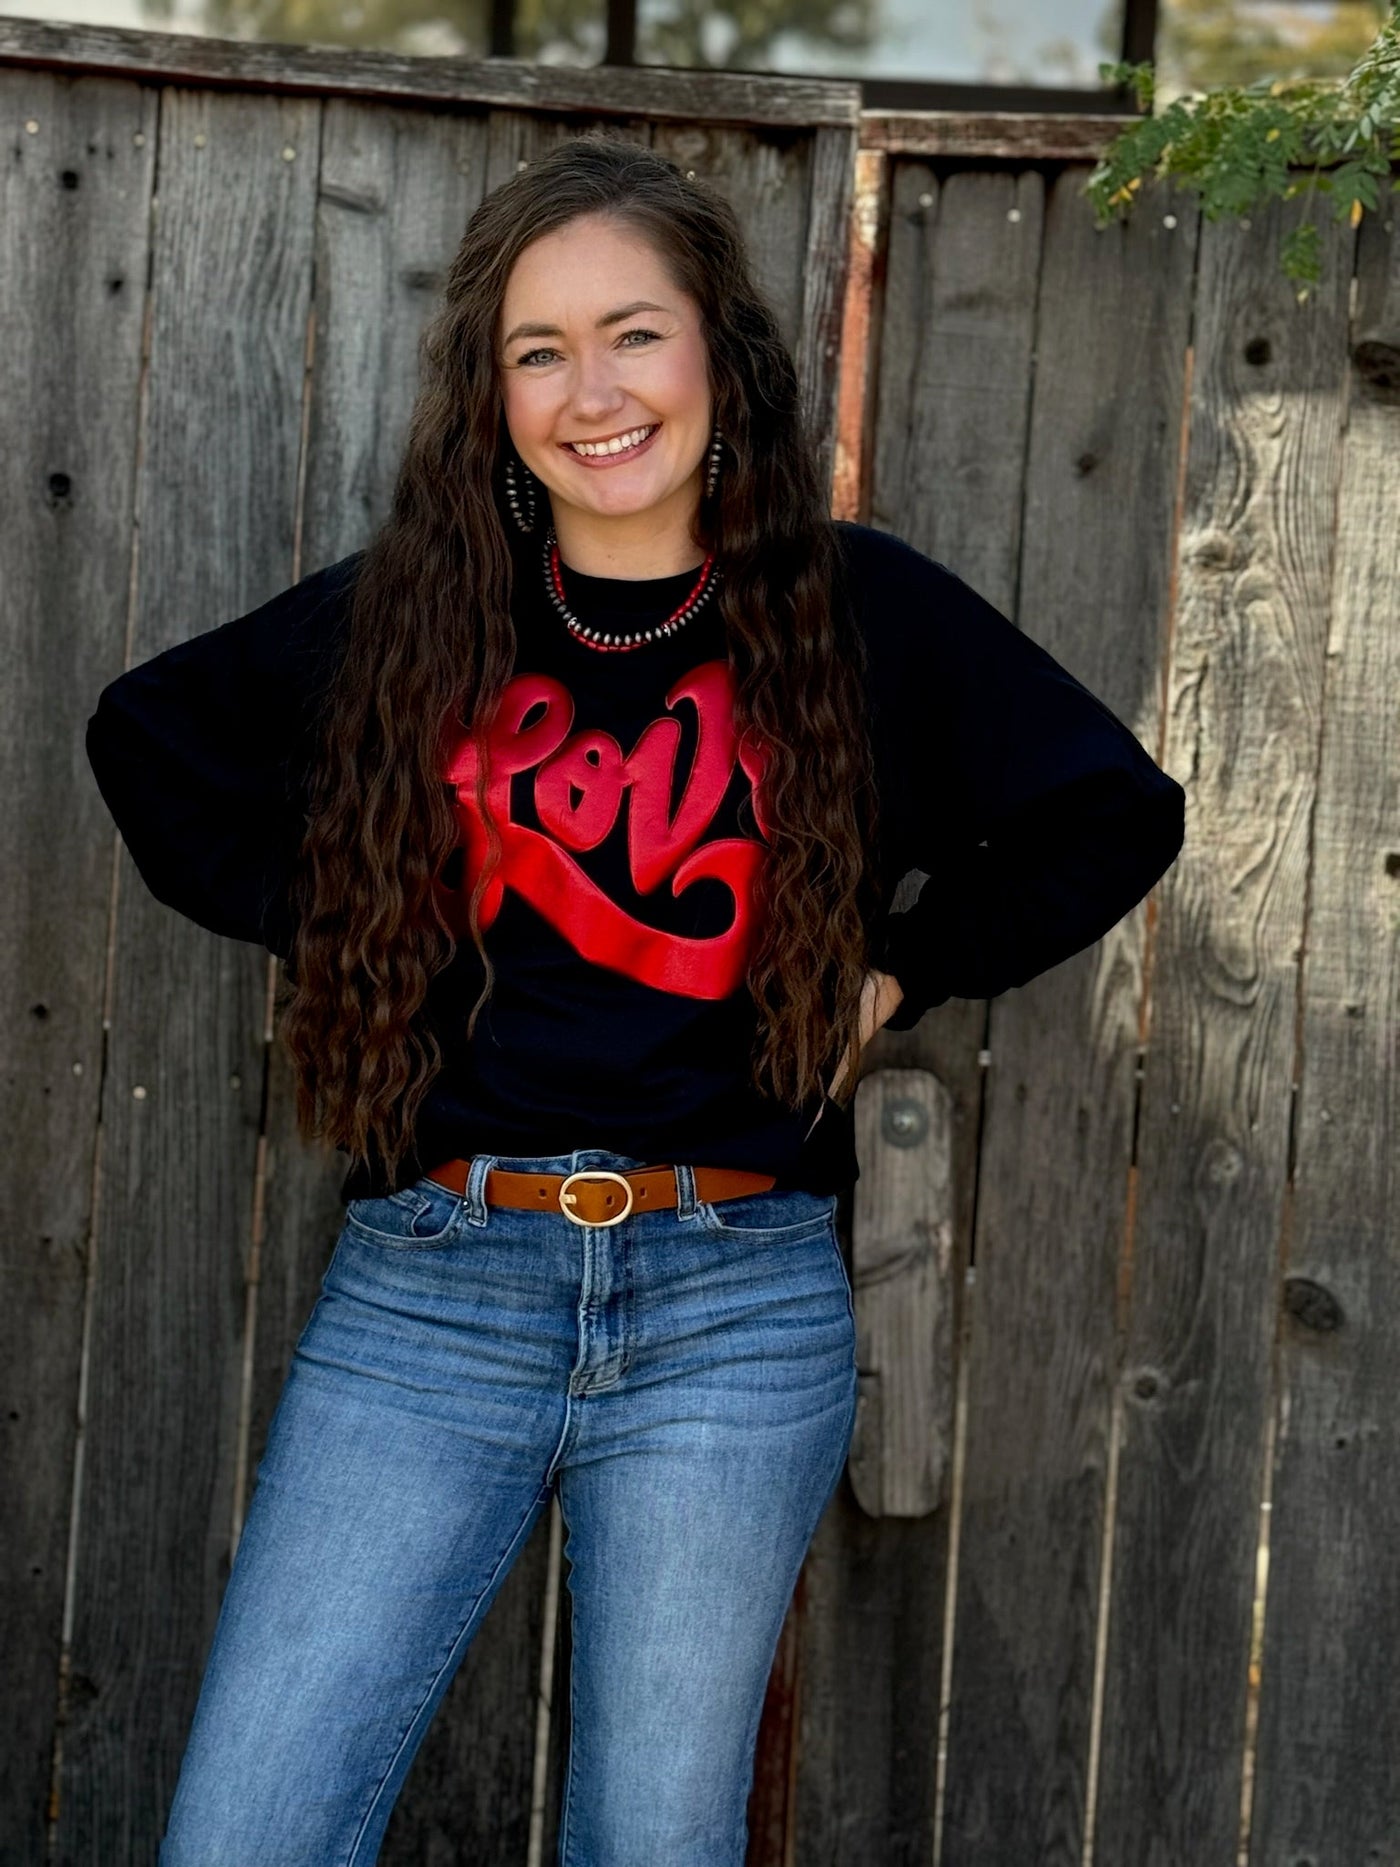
x=608, y=317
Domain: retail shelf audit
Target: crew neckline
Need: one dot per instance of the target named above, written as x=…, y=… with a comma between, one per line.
x=639, y=600
x=587, y=594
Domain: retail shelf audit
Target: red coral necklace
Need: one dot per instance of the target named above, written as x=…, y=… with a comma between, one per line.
x=597, y=638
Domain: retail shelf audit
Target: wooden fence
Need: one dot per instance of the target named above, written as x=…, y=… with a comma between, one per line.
x=1125, y=1249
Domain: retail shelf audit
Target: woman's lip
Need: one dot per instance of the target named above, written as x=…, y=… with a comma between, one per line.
x=611, y=460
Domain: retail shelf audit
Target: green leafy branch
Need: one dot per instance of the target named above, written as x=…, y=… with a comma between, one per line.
x=1241, y=146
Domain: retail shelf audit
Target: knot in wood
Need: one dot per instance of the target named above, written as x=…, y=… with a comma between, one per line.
x=1312, y=1305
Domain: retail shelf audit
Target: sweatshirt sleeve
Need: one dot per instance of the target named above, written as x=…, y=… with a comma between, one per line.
x=1037, y=816
x=200, y=754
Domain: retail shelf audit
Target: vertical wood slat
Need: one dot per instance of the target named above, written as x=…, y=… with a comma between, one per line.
x=1110, y=354
x=954, y=346
x=860, y=323
x=1329, y=1730
x=766, y=176
x=953, y=388
x=1243, y=714
x=792, y=195
x=901, y=1265
x=825, y=263
x=76, y=182
x=181, y=1099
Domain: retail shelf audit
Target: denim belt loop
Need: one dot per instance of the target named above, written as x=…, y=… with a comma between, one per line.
x=685, y=1191
x=474, y=1197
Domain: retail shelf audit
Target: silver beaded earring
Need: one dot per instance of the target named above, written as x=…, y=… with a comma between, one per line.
x=712, y=471
x=526, y=523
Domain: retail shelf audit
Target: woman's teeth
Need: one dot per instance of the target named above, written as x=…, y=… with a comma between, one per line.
x=619, y=443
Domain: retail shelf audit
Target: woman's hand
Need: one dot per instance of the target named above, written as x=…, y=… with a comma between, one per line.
x=879, y=997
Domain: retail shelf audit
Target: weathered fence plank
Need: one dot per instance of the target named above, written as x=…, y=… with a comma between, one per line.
x=182, y=1094
x=901, y=1262
x=70, y=373
x=647, y=91
x=1110, y=357
x=1245, y=688
x=1329, y=1718
x=991, y=135
x=954, y=340
x=830, y=193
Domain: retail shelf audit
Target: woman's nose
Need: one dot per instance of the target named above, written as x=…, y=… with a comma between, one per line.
x=596, y=385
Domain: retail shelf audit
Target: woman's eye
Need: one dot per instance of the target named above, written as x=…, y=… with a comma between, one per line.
x=651, y=336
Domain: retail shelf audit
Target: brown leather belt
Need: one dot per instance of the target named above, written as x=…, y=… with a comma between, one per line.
x=600, y=1195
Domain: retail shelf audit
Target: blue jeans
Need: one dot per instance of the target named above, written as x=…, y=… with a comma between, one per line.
x=688, y=1380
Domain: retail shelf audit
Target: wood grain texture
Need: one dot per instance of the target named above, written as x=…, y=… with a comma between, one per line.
x=70, y=375
x=901, y=1263
x=859, y=330
x=1329, y=1725
x=1111, y=328
x=953, y=383
x=182, y=1093
x=642, y=90
x=1243, y=719
x=992, y=134
x=955, y=319
x=825, y=261
x=766, y=177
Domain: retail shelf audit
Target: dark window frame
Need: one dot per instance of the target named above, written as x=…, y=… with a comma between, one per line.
x=1139, y=44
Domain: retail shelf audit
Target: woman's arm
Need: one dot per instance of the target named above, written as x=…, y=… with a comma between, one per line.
x=879, y=999
x=1038, y=817
x=199, y=755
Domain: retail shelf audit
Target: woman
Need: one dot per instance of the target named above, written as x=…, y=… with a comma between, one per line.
x=579, y=980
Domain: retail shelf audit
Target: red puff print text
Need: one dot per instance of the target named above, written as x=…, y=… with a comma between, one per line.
x=581, y=781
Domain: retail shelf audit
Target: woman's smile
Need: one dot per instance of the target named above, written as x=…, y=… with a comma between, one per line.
x=607, y=453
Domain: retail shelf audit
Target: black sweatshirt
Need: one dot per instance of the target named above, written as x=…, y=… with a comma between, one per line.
x=619, y=923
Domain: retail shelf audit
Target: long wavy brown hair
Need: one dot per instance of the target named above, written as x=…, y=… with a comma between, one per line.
x=431, y=643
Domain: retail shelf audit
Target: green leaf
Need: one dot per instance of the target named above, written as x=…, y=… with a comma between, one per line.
x=1299, y=254
x=1240, y=146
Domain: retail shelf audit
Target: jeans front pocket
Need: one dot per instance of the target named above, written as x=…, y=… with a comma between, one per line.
x=416, y=1217
x=781, y=1212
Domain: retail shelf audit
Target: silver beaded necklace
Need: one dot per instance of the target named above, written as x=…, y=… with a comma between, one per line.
x=596, y=638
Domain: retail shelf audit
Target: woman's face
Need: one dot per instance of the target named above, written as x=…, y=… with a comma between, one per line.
x=597, y=342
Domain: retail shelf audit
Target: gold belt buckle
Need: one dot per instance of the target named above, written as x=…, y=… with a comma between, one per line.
x=568, y=1199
